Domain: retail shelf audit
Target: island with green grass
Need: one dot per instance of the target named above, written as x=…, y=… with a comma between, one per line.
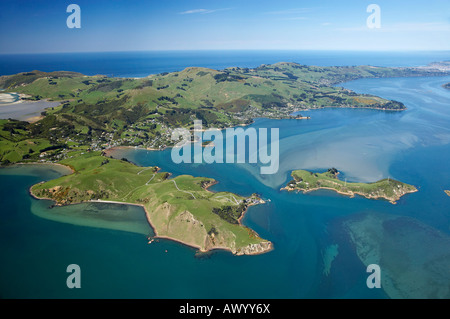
x=389, y=189
x=179, y=208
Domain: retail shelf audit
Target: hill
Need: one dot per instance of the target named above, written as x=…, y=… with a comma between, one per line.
x=179, y=208
x=102, y=112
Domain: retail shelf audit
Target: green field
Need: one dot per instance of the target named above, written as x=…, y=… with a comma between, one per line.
x=388, y=189
x=179, y=208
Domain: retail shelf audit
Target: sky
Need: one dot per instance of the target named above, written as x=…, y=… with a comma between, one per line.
x=38, y=26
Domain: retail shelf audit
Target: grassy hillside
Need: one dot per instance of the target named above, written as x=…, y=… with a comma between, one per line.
x=102, y=112
x=179, y=208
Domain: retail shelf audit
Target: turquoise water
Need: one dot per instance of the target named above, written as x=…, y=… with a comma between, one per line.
x=411, y=146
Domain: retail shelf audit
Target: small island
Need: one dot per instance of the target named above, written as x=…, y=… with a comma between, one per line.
x=180, y=208
x=447, y=192
x=388, y=189
x=446, y=86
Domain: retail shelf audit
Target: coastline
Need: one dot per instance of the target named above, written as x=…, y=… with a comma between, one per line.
x=5, y=100
x=34, y=119
x=33, y=115
x=355, y=108
x=124, y=147
x=242, y=251
x=350, y=193
x=66, y=167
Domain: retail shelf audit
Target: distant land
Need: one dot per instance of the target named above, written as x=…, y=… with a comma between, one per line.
x=388, y=189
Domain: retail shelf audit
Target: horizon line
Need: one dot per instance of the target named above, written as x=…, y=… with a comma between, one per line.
x=229, y=50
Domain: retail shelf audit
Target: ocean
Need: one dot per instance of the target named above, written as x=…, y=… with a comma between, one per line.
x=144, y=63
x=314, y=255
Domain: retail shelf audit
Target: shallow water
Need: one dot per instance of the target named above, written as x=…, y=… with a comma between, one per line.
x=24, y=110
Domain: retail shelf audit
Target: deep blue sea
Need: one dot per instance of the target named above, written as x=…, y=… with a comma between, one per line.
x=144, y=63
x=366, y=145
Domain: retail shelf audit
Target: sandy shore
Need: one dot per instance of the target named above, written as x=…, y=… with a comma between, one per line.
x=7, y=98
x=110, y=151
x=156, y=236
x=68, y=168
x=34, y=119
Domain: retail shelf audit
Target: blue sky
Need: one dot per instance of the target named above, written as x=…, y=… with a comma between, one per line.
x=118, y=25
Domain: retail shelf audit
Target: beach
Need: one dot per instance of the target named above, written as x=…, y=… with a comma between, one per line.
x=7, y=98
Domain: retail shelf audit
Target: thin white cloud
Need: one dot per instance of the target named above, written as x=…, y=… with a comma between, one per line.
x=296, y=18
x=404, y=27
x=426, y=26
x=202, y=11
x=290, y=11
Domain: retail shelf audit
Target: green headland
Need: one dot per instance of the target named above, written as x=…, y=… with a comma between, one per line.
x=179, y=208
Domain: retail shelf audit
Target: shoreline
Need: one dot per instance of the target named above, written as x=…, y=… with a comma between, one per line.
x=124, y=147
x=355, y=108
x=34, y=119
x=34, y=116
x=11, y=100
x=111, y=149
x=72, y=171
x=350, y=194
x=156, y=236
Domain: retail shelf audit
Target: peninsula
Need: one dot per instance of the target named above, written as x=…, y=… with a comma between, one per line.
x=180, y=208
x=388, y=189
